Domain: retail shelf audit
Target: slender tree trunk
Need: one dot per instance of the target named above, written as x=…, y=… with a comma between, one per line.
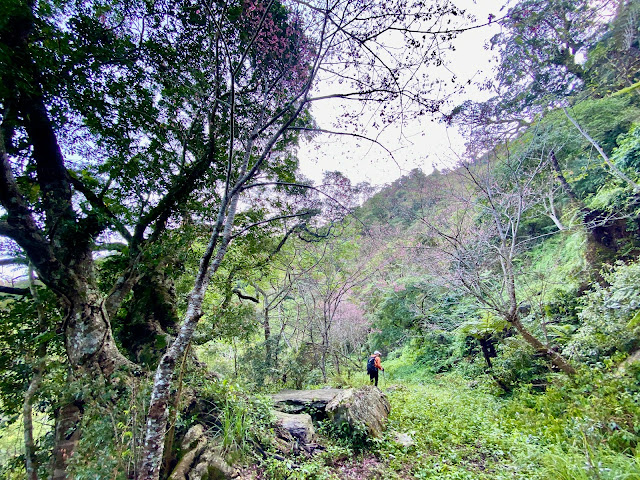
x=565, y=184
x=31, y=464
x=267, y=336
x=551, y=212
x=158, y=406
x=235, y=358
x=266, y=326
x=30, y=460
x=615, y=170
x=325, y=349
x=488, y=352
x=484, y=345
x=313, y=346
x=168, y=446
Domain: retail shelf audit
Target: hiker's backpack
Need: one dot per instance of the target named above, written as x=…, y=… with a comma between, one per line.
x=371, y=365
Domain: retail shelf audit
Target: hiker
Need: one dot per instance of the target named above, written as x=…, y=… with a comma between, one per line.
x=373, y=365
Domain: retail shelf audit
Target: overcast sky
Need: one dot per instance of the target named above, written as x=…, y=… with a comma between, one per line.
x=424, y=143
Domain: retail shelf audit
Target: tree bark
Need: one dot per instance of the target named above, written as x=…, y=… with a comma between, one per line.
x=151, y=317
x=557, y=359
x=563, y=181
x=30, y=461
x=266, y=326
x=158, y=406
x=92, y=352
x=485, y=346
x=67, y=434
x=168, y=446
x=88, y=338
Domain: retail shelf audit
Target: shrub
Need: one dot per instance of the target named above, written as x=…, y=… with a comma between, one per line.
x=610, y=316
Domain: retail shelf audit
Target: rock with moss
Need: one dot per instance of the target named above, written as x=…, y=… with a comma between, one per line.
x=212, y=466
x=294, y=426
x=201, y=459
x=365, y=408
x=193, y=445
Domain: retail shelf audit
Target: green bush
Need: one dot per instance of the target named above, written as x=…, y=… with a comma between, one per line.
x=236, y=418
x=353, y=437
x=113, y=425
x=610, y=316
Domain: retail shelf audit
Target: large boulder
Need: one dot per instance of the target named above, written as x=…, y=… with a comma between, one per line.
x=193, y=444
x=313, y=402
x=367, y=407
x=294, y=426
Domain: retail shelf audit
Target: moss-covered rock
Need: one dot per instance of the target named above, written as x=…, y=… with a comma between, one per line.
x=366, y=407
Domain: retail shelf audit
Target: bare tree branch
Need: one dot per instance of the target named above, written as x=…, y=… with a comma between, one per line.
x=14, y=291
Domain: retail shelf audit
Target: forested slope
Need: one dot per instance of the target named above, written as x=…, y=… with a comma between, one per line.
x=175, y=268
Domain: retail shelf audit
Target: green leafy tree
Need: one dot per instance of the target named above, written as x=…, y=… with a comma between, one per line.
x=120, y=122
x=151, y=138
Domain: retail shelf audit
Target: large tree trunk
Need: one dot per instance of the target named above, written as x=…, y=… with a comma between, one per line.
x=92, y=352
x=151, y=319
x=67, y=434
x=88, y=336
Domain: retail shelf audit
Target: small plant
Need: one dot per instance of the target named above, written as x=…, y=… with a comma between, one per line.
x=234, y=426
x=236, y=418
x=355, y=437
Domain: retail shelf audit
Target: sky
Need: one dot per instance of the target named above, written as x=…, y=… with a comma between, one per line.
x=424, y=143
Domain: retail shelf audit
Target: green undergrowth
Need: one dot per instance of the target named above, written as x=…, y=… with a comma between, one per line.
x=582, y=428
x=556, y=265
x=586, y=428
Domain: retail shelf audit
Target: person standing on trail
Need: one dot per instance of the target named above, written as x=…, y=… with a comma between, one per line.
x=373, y=365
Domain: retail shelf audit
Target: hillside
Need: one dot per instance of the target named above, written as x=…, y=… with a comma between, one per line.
x=167, y=269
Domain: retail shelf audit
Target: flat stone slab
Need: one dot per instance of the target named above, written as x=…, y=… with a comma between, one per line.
x=313, y=402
